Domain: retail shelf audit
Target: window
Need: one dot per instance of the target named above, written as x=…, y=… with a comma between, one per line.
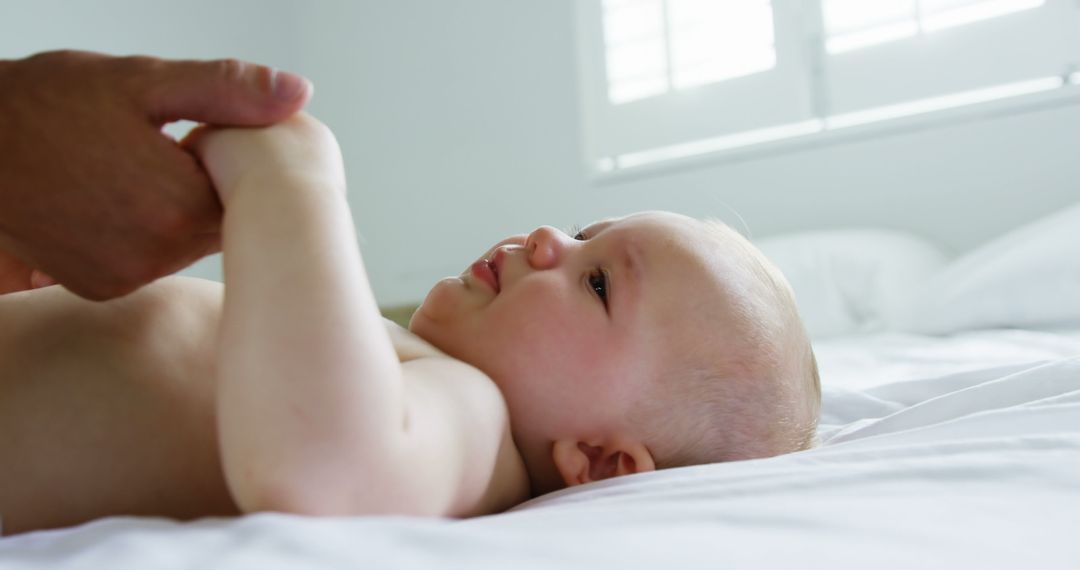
x=664, y=79
x=654, y=46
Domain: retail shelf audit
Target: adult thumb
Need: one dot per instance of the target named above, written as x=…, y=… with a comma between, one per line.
x=222, y=92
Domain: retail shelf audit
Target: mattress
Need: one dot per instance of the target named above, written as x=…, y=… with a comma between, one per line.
x=936, y=452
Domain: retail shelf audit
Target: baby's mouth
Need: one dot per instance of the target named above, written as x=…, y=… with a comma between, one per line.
x=495, y=270
x=485, y=271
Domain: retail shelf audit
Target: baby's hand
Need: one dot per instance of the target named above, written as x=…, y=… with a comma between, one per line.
x=299, y=149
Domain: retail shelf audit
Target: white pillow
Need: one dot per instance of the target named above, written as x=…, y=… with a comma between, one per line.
x=853, y=280
x=1028, y=278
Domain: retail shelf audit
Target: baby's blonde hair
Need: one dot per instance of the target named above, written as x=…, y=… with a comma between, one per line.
x=759, y=398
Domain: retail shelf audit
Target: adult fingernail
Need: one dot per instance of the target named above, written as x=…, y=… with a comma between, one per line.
x=289, y=86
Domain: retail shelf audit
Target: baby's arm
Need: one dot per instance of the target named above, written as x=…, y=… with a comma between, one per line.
x=315, y=412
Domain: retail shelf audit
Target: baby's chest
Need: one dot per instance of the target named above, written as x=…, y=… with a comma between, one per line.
x=110, y=408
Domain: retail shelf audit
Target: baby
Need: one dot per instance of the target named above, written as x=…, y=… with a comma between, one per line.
x=637, y=343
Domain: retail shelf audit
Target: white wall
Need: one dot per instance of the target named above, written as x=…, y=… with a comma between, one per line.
x=460, y=123
x=254, y=29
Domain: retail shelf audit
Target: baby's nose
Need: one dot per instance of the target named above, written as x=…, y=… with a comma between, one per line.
x=545, y=246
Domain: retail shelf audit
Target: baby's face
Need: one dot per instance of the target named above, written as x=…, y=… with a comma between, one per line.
x=571, y=328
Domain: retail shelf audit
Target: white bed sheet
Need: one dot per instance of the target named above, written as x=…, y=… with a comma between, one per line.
x=865, y=361
x=961, y=452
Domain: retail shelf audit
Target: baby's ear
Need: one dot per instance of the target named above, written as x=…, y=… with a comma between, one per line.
x=583, y=462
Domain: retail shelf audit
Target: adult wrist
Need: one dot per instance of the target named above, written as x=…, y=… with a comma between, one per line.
x=8, y=69
x=5, y=66
x=5, y=124
x=9, y=90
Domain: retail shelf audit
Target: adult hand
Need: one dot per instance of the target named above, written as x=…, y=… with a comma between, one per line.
x=92, y=192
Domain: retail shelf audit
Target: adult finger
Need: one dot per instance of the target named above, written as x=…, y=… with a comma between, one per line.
x=14, y=274
x=221, y=92
x=39, y=280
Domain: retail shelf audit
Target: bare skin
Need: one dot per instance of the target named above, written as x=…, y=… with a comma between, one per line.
x=108, y=408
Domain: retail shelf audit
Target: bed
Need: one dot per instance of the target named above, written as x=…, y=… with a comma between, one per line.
x=949, y=438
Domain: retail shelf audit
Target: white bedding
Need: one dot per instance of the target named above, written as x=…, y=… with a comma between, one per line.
x=960, y=452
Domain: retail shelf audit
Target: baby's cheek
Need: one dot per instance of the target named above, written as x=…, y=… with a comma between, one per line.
x=534, y=323
x=553, y=342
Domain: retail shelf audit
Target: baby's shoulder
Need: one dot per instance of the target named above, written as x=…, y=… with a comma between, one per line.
x=408, y=345
x=467, y=414
x=447, y=382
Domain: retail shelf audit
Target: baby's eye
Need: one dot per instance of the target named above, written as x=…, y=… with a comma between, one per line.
x=598, y=282
x=576, y=233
